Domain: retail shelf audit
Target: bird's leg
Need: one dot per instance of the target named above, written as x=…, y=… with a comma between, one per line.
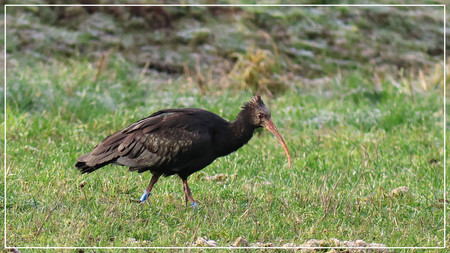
x=188, y=194
x=185, y=197
x=147, y=191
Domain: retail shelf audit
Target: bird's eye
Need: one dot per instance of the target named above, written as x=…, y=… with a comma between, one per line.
x=260, y=115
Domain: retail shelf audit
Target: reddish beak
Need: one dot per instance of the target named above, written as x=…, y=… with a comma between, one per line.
x=273, y=129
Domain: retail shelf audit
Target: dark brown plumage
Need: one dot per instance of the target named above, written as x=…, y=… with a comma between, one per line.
x=179, y=141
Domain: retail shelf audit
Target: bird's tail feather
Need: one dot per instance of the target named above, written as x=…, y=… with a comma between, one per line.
x=83, y=167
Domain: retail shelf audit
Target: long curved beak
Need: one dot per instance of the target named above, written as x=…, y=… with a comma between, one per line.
x=273, y=129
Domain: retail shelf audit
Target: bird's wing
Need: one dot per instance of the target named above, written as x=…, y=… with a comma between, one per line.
x=164, y=139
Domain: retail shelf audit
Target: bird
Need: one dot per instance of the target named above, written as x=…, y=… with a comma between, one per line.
x=179, y=142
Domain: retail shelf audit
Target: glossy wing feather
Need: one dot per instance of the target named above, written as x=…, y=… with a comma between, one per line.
x=164, y=142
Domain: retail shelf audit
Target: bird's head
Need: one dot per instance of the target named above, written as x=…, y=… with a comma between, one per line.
x=260, y=117
x=259, y=113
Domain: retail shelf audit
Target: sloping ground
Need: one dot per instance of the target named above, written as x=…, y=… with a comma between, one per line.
x=265, y=48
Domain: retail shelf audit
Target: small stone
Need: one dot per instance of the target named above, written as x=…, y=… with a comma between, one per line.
x=311, y=243
x=335, y=242
x=400, y=190
x=343, y=243
x=351, y=244
x=289, y=245
x=14, y=250
x=360, y=243
x=322, y=243
x=379, y=247
x=132, y=240
x=205, y=243
x=240, y=242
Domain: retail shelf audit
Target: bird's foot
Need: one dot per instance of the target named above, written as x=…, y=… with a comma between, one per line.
x=144, y=196
x=194, y=205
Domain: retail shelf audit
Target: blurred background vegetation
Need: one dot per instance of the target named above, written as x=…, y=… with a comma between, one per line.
x=263, y=49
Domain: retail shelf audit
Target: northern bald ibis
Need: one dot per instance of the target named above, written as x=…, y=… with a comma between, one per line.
x=179, y=141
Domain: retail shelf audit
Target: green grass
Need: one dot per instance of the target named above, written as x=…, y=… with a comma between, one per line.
x=351, y=145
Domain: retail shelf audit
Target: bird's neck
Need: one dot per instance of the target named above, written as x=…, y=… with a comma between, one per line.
x=237, y=133
x=241, y=129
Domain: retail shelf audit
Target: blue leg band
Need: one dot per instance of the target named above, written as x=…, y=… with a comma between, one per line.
x=144, y=196
x=194, y=205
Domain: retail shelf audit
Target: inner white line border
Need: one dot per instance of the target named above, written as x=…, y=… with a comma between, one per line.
x=231, y=5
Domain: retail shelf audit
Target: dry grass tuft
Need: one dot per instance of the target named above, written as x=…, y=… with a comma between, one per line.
x=257, y=70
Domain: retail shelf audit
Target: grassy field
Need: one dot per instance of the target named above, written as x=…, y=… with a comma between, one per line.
x=352, y=144
x=355, y=92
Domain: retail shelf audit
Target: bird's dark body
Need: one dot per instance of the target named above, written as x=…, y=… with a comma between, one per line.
x=168, y=142
x=179, y=141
